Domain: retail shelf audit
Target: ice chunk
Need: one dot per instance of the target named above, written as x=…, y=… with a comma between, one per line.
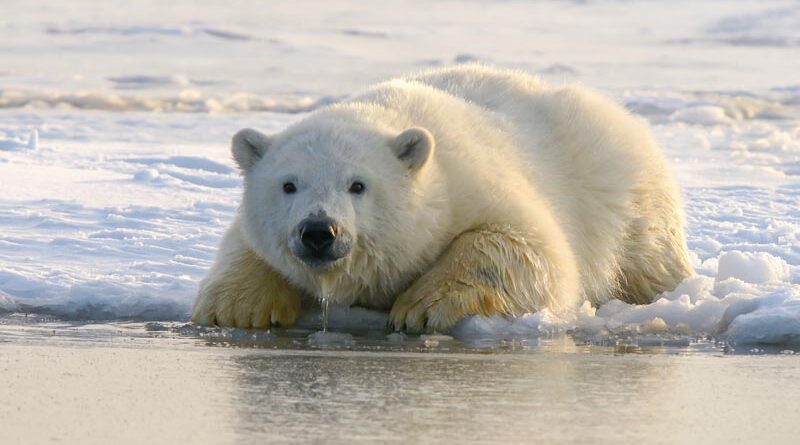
x=396, y=337
x=760, y=267
x=33, y=140
x=776, y=323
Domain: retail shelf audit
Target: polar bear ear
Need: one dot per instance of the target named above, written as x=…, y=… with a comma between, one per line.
x=414, y=147
x=248, y=146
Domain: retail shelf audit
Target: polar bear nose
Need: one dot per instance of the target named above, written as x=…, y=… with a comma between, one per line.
x=317, y=235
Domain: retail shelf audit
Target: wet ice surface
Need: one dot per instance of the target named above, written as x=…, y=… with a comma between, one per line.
x=117, y=183
x=176, y=383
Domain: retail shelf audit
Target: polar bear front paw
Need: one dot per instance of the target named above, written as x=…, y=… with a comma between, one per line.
x=489, y=271
x=423, y=309
x=246, y=309
x=248, y=294
x=416, y=313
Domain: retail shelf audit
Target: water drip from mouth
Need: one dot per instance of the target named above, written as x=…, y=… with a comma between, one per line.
x=325, y=302
x=323, y=338
x=326, y=287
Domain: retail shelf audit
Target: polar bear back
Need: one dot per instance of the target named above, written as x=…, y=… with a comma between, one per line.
x=597, y=166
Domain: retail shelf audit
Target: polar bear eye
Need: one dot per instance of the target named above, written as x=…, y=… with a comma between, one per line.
x=357, y=188
x=289, y=188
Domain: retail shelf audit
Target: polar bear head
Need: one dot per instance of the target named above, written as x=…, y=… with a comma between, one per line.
x=334, y=196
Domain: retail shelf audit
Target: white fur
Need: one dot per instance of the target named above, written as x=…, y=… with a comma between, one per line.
x=580, y=181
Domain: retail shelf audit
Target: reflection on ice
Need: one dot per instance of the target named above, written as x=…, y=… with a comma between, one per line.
x=327, y=338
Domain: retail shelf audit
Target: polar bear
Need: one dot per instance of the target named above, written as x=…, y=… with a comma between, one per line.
x=460, y=191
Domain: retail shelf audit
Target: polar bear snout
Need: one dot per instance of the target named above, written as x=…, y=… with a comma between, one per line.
x=321, y=241
x=317, y=235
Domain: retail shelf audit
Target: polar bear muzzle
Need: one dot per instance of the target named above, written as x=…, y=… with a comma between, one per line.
x=321, y=241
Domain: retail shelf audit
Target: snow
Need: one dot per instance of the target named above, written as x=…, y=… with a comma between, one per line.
x=116, y=182
x=760, y=267
x=703, y=115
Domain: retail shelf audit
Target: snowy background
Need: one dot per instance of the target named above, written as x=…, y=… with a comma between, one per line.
x=115, y=118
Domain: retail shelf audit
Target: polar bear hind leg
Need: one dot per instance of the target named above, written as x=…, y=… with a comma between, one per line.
x=655, y=258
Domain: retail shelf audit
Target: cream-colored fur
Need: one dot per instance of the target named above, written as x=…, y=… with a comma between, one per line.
x=242, y=291
x=488, y=271
x=527, y=197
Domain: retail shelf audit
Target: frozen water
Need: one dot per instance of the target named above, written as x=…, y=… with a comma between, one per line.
x=116, y=182
x=99, y=383
x=330, y=339
x=760, y=267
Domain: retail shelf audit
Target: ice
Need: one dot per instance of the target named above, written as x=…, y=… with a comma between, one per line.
x=116, y=182
x=19, y=142
x=7, y=304
x=703, y=115
x=776, y=26
x=33, y=140
x=434, y=340
x=759, y=267
x=146, y=175
x=542, y=323
x=396, y=337
x=340, y=318
x=187, y=100
x=326, y=338
x=771, y=319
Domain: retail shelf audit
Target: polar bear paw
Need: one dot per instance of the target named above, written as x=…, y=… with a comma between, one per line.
x=472, y=277
x=418, y=313
x=246, y=310
x=249, y=294
x=429, y=307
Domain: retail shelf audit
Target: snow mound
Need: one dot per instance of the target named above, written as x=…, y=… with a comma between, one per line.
x=739, y=319
x=151, y=30
x=18, y=142
x=759, y=267
x=542, y=323
x=188, y=100
x=702, y=115
x=750, y=301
